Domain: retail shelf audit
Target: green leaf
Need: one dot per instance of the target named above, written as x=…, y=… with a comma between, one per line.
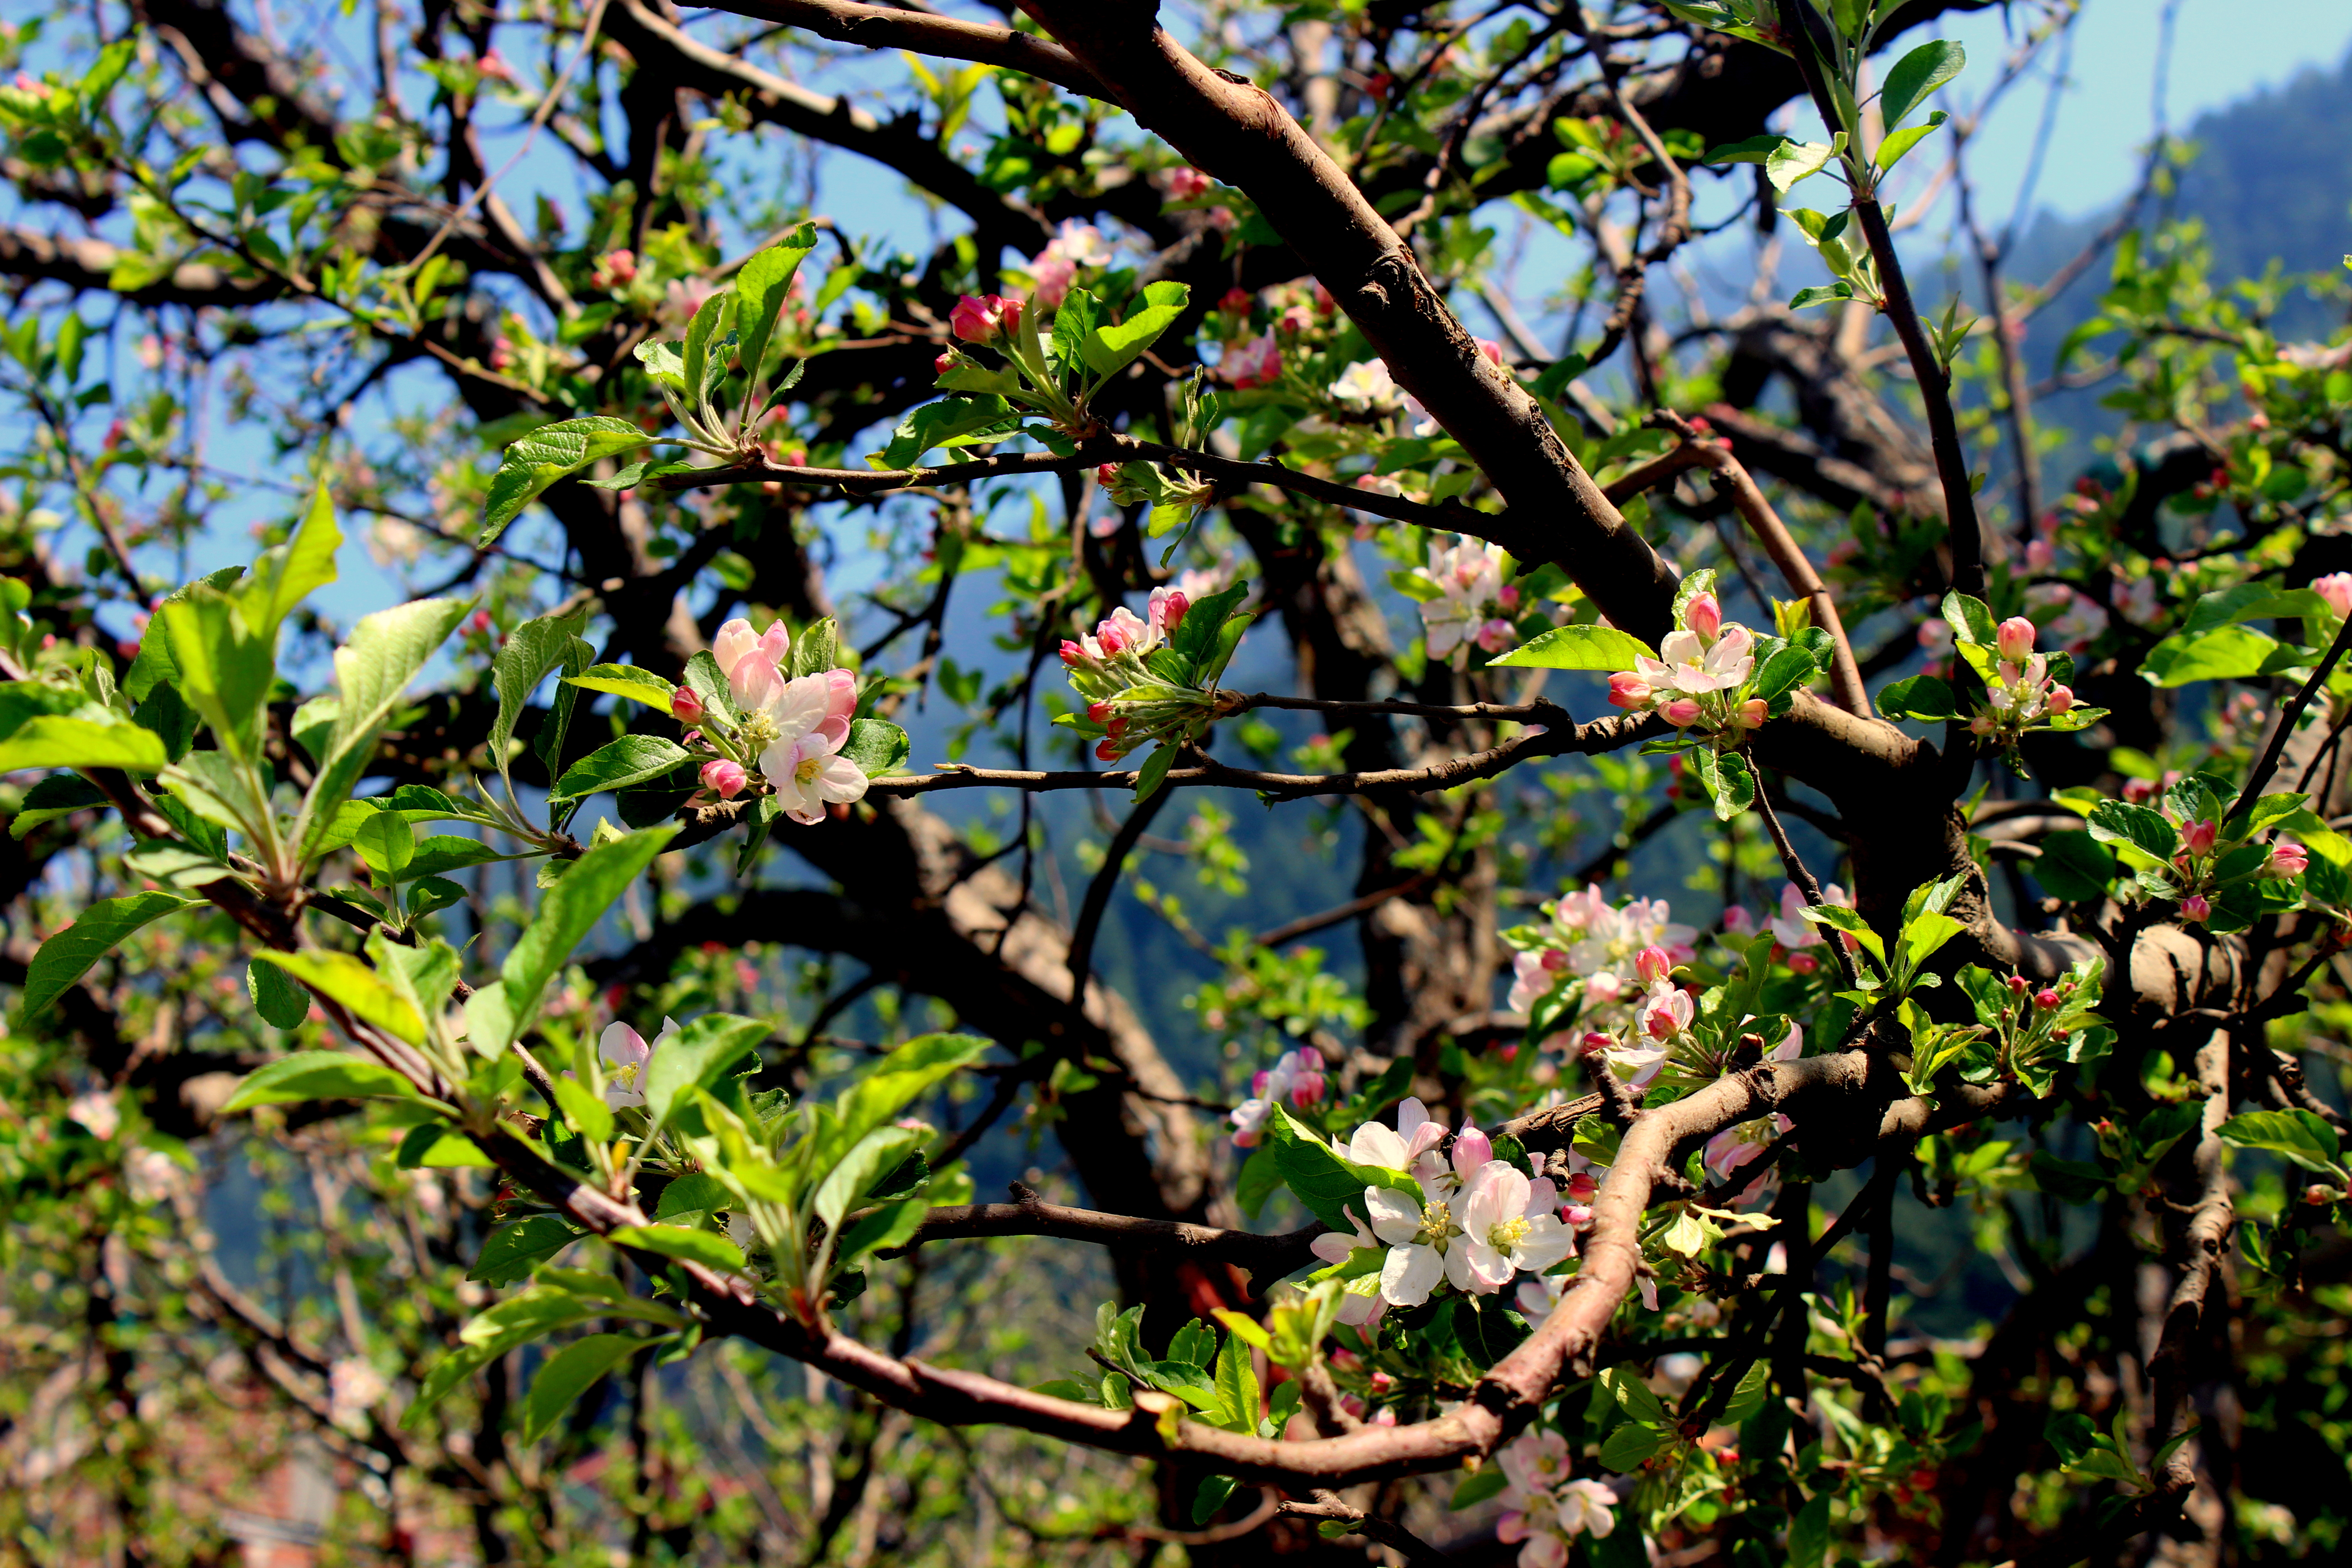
x=631, y=760
x=761, y=288
x=897, y=1080
x=371, y=672
x=318, y=1075
x=222, y=670
x=2298, y=1135
x=1109, y=349
x=1579, y=648
x=1850, y=921
x=1260, y=1179
x=50, y=741
x=697, y=1192
x=2119, y=822
x=2224, y=653
x=345, y=979
x=1154, y=771
x=951, y=421
x=1214, y=1492
x=545, y=455
x=1916, y=75
x=1819, y=294
x=708, y=327
x=1732, y=785
x=1898, y=143
x=877, y=746
x=283, y=1003
x=1478, y=1487
x=387, y=844
x=1792, y=161
x=590, y=1116
x=626, y=680
x=1752, y=150
x=2074, y=867
x=571, y=1372
x=1920, y=697
x=703, y=1246
x=1970, y=621
x=1629, y=1444
x=515, y=1251
x=1809, y=1534
x=69, y=954
x=1328, y=1183
x=1237, y=1387
x=285, y=575
x=570, y=909
x=696, y=1056
x=1787, y=669
x=434, y=1146
x=870, y=1159
x=532, y=651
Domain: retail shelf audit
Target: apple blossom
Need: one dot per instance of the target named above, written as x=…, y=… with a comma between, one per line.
x=626, y=1054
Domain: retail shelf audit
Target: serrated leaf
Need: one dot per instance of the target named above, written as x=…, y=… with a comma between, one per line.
x=2297, y=1135
x=545, y=455
x=1916, y=75
x=703, y=1246
x=318, y=1075
x=514, y=1251
x=69, y=954
x=1108, y=350
x=631, y=760
x=571, y=1372
x=626, y=680
x=1579, y=648
x=877, y=746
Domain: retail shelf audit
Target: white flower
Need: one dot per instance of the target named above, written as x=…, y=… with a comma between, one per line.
x=1698, y=669
x=1468, y=578
x=1366, y=385
x=1539, y=1298
x=97, y=1111
x=795, y=727
x=1584, y=1509
x=150, y=1176
x=626, y=1054
x=1535, y=1461
x=1511, y=1224
x=1423, y=1242
x=1296, y=1077
x=1403, y=1150
x=352, y=1388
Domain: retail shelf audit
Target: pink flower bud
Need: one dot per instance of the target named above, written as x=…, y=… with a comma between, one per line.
x=1110, y=638
x=723, y=778
x=1595, y=1043
x=1307, y=1090
x=1176, y=604
x=2015, y=640
x=2195, y=907
x=1704, y=614
x=1682, y=712
x=2061, y=699
x=2018, y=986
x=2197, y=837
x=1187, y=183
x=2289, y=858
x=685, y=706
x=940, y=366
x=1627, y=690
x=2138, y=792
x=1472, y=1149
x=2045, y=998
x=1804, y=962
x=1752, y=713
x=981, y=318
x=1106, y=474
x=2337, y=589
x=1109, y=750
x=1581, y=1186
x=1072, y=654
x=1553, y=958
x=1653, y=964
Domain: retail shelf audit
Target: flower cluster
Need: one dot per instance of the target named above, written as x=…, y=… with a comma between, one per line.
x=1130, y=702
x=790, y=728
x=1698, y=681
x=1295, y=1078
x=1544, y=1510
x=1052, y=269
x=1476, y=1223
x=1580, y=965
x=2027, y=1028
x=1464, y=600
x=2212, y=874
x=2021, y=694
x=1153, y=676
